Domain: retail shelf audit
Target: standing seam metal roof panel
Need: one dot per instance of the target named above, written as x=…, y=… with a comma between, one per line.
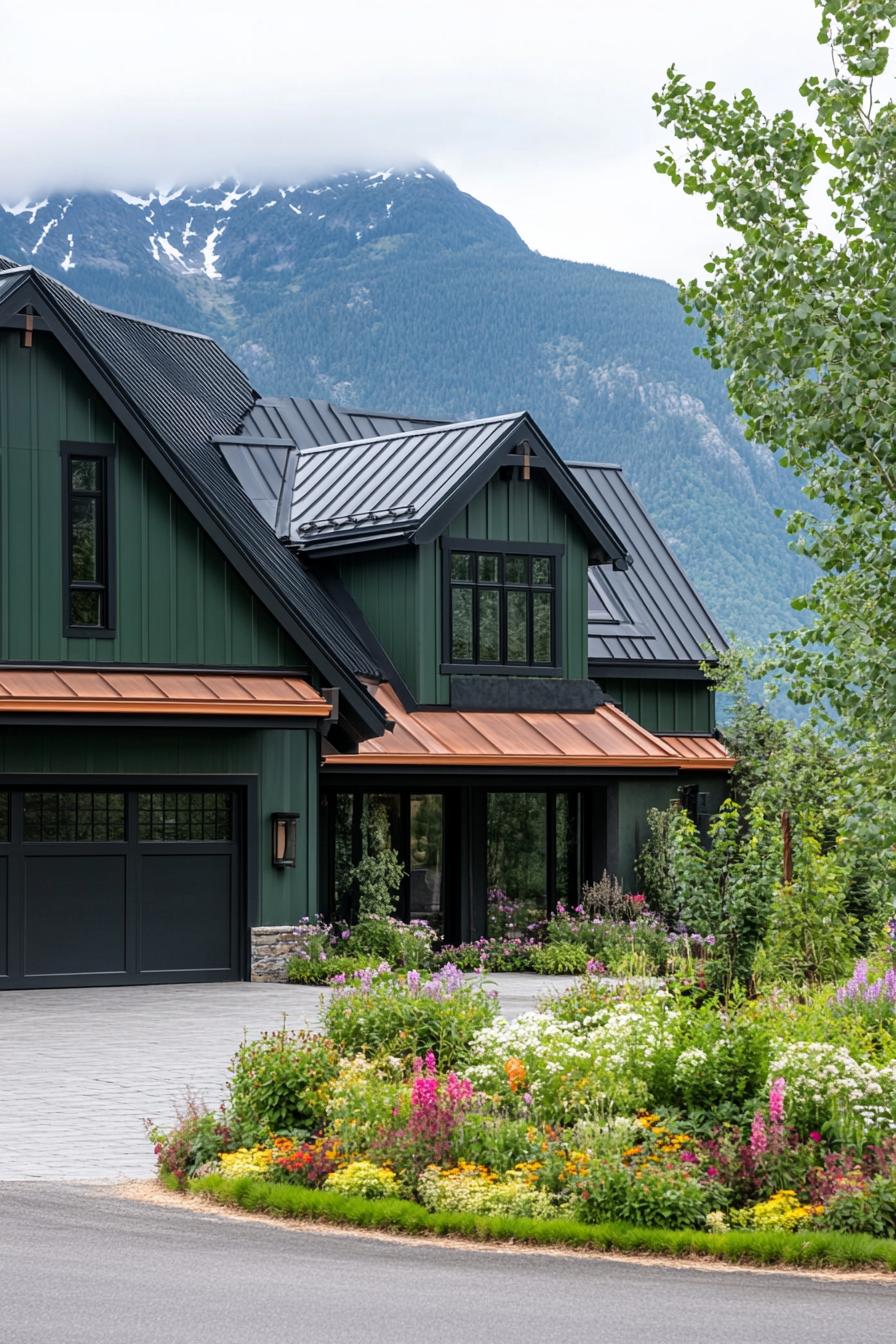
x=410, y=473
x=305, y=423
x=671, y=623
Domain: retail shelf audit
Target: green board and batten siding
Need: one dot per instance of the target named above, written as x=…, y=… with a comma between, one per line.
x=674, y=706
x=400, y=593
x=283, y=761
x=178, y=601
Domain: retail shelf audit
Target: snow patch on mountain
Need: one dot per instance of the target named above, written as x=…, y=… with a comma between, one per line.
x=209, y=256
x=25, y=207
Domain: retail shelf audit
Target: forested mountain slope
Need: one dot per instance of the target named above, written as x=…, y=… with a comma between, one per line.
x=397, y=291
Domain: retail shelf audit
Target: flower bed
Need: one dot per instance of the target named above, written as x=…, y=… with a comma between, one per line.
x=621, y=937
x=610, y=1104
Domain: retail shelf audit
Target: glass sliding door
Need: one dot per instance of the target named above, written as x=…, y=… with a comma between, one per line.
x=365, y=823
x=533, y=858
x=426, y=864
x=516, y=862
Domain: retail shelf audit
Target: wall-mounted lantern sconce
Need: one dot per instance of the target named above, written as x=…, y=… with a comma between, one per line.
x=283, y=839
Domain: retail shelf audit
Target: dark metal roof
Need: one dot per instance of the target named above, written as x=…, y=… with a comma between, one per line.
x=258, y=456
x=388, y=484
x=649, y=613
x=406, y=484
x=183, y=392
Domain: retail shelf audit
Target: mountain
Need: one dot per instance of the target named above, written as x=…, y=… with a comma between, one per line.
x=397, y=291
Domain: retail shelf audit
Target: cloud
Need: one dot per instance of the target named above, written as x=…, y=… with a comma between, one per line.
x=543, y=110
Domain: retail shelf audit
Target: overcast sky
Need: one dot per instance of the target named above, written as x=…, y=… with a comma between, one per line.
x=541, y=108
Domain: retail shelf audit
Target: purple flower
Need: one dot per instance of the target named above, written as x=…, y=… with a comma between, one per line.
x=346, y=933
x=527, y=1098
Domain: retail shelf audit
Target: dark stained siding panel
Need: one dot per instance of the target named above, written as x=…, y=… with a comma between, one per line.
x=177, y=599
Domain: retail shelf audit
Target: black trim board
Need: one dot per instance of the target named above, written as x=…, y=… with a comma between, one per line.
x=647, y=671
x=363, y=712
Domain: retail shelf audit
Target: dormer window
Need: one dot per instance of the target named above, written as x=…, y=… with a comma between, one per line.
x=501, y=606
x=87, y=540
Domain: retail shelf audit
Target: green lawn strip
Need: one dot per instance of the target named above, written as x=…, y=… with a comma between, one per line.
x=836, y=1250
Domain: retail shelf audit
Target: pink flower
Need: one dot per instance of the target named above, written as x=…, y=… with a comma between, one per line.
x=758, y=1136
x=815, y=1136
x=776, y=1101
x=685, y=1156
x=712, y=1172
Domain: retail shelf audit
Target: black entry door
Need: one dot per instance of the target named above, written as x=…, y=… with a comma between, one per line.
x=119, y=886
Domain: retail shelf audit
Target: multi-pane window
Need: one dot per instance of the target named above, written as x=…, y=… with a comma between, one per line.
x=502, y=608
x=182, y=815
x=74, y=816
x=87, y=541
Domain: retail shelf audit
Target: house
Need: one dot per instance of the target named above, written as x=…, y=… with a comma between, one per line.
x=245, y=640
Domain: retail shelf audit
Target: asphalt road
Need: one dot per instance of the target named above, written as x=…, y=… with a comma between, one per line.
x=79, y=1265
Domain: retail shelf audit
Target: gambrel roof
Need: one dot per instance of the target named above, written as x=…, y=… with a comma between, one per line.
x=650, y=613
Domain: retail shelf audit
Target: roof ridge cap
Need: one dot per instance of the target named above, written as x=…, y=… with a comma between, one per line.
x=439, y=427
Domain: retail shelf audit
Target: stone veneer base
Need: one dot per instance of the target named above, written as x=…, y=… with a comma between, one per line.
x=271, y=949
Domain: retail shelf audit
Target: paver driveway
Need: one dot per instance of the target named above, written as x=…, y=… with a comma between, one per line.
x=81, y=1068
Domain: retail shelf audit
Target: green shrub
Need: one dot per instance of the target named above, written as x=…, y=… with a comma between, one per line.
x=651, y=1196
x=497, y=1141
x=407, y=1017
x=811, y=937
x=872, y=1210
x=278, y=1084
x=377, y=878
x=379, y=938
x=364, y=1180
x=560, y=959
x=714, y=1058
x=303, y=972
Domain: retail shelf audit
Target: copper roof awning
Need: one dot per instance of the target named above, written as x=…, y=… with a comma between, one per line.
x=603, y=737
x=698, y=750
x=105, y=691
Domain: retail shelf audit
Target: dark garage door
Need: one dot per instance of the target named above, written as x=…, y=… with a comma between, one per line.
x=119, y=886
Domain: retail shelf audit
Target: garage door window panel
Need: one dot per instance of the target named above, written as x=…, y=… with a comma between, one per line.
x=73, y=816
x=187, y=816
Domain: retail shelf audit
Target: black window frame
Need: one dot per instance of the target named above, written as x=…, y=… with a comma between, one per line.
x=546, y=550
x=104, y=454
